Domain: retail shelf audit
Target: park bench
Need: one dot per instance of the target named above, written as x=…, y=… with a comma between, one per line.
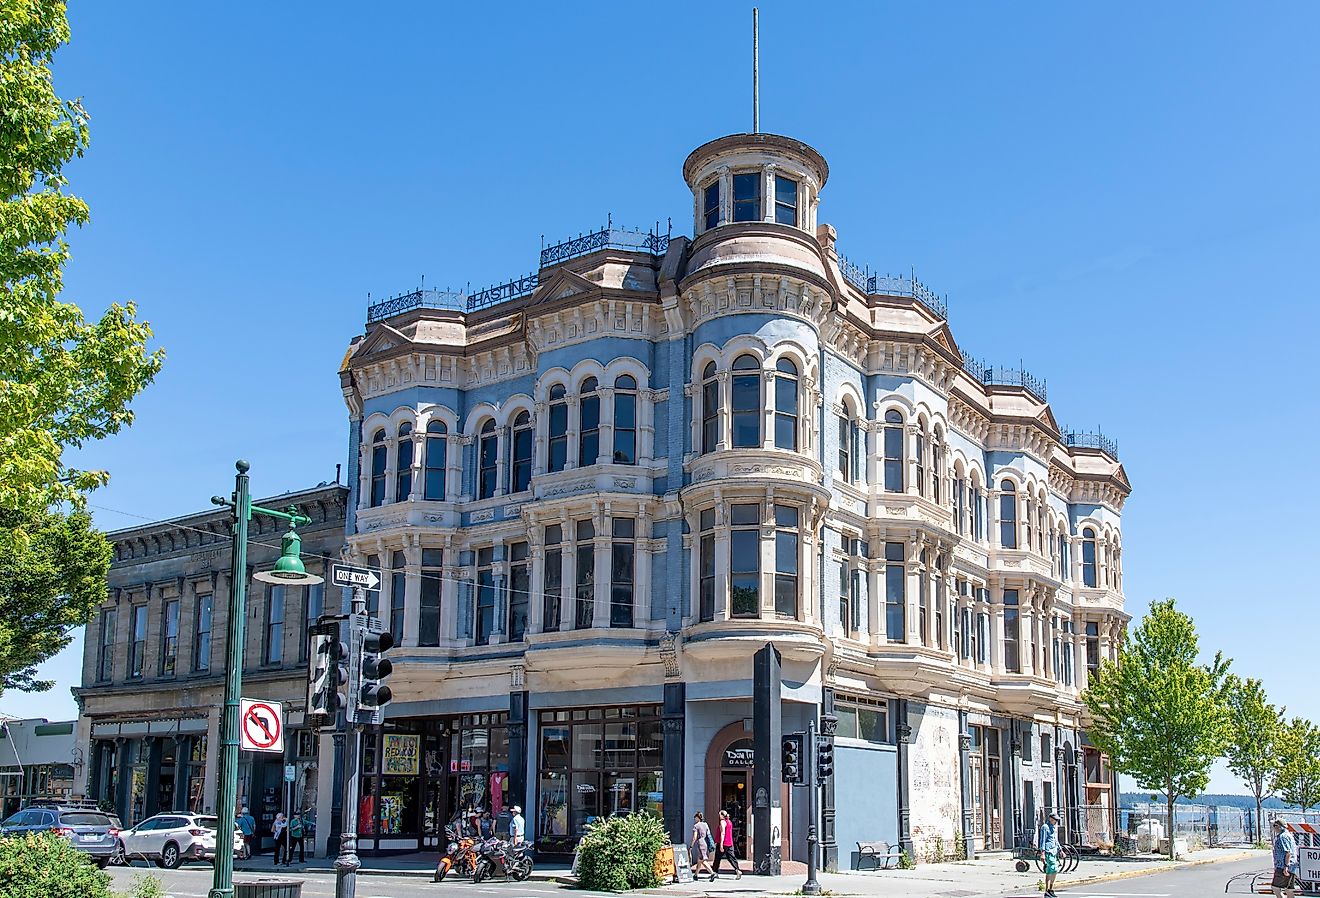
x=879, y=854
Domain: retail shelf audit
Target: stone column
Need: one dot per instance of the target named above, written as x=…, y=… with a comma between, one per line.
x=536, y=578
x=212, y=758
x=725, y=417
x=449, y=595
x=642, y=571
x=723, y=569
x=541, y=423
x=454, y=444
x=600, y=615
x=911, y=482
x=574, y=441
x=996, y=653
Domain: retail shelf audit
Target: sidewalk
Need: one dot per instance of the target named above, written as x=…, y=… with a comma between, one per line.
x=966, y=879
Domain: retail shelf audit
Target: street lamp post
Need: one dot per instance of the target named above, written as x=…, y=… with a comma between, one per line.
x=288, y=571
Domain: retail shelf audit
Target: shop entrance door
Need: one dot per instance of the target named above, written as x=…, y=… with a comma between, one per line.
x=978, y=799
x=734, y=788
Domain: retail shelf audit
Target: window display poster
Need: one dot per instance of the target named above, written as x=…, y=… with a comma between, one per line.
x=391, y=815
x=401, y=754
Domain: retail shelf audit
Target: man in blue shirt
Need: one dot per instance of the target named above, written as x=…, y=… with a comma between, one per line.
x=1285, y=862
x=248, y=827
x=1048, y=844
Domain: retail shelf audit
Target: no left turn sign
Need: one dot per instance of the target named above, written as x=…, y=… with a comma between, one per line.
x=261, y=725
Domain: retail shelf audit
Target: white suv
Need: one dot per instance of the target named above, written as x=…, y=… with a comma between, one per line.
x=171, y=839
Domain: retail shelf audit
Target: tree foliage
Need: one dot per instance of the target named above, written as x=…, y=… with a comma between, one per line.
x=48, y=585
x=1252, y=751
x=1161, y=715
x=63, y=380
x=1297, y=779
x=618, y=853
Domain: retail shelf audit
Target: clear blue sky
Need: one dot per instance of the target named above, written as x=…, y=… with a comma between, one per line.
x=1127, y=197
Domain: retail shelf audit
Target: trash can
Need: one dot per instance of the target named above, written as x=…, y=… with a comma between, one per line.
x=269, y=888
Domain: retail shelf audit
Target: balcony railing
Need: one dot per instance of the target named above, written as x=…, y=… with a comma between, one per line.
x=893, y=285
x=608, y=237
x=1012, y=377
x=417, y=299
x=1091, y=439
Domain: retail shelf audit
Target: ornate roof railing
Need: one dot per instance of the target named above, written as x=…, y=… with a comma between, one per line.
x=1087, y=439
x=608, y=237
x=893, y=285
x=1003, y=375
x=418, y=299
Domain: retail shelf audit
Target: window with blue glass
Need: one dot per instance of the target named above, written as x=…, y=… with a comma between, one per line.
x=625, y=420
x=895, y=593
x=710, y=408
x=558, y=459
x=398, y=589
x=746, y=402
x=1088, y=558
x=379, y=461
x=589, y=432
x=485, y=595
x=745, y=560
x=1008, y=515
x=711, y=204
x=622, y=561
x=786, y=200
x=786, y=405
x=787, y=589
x=487, y=456
x=437, y=439
x=520, y=587
x=893, y=447
x=747, y=196
x=403, y=459
x=520, y=463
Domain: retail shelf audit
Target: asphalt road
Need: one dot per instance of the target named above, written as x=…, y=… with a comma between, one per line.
x=1204, y=881
x=194, y=881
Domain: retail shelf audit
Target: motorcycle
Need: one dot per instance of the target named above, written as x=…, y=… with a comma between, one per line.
x=496, y=857
x=460, y=855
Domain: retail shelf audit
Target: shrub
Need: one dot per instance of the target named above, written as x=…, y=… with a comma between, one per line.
x=145, y=885
x=618, y=853
x=47, y=866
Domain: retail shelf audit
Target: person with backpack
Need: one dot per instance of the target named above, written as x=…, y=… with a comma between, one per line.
x=248, y=827
x=295, y=838
x=703, y=846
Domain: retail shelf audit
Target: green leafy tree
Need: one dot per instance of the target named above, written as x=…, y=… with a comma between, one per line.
x=618, y=853
x=63, y=380
x=1297, y=779
x=48, y=585
x=1253, y=738
x=1160, y=714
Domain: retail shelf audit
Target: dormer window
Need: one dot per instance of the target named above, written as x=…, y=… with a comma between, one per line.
x=747, y=196
x=786, y=200
x=712, y=204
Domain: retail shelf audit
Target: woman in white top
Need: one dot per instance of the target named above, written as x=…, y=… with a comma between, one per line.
x=280, y=830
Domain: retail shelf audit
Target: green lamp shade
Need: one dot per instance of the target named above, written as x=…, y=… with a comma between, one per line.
x=289, y=569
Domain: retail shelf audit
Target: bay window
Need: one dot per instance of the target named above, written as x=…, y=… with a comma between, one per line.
x=586, y=574
x=1088, y=558
x=625, y=420
x=895, y=593
x=746, y=403
x=553, y=578
x=1008, y=515
x=589, y=423
x=1012, y=633
x=520, y=459
x=745, y=560
x=622, y=558
x=428, y=624
x=379, y=460
x=520, y=583
x=558, y=452
x=711, y=204
x=487, y=454
x=403, y=459
x=710, y=408
x=786, y=561
x=437, y=444
x=786, y=200
x=747, y=196
x=485, y=624
x=706, y=589
x=786, y=405
x=893, y=446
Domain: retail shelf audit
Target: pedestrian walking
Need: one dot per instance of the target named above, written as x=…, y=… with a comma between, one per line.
x=295, y=837
x=1285, y=862
x=248, y=827
x=703, y=846
x=280, y=830
x=1048, y=843
x=724, y=845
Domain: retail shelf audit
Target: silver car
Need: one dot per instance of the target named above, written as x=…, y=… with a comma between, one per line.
x=172, y=839
x=89, y=831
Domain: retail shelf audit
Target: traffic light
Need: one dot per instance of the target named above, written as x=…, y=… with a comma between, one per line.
x=373, y=695
x=791, y=768
x=824, y=759
x=327, y=675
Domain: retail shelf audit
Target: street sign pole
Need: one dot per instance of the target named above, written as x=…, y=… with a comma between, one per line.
x=347, y=863
x=811, y=886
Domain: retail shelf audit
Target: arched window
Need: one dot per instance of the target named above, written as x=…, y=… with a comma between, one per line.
x=558, y=429
x=1008, y=515
x=959, y=502
x=936, y=465
x=403, y=459
x=589, y=431
x=1088, y=558
x=487, y=452
x=921, y=456
x=746, y=402
x=625, y=420
x=893, y=451
x=520, y=463
x=845, y=445
x=437, y=445
x=379, y=457
x=710, y=409
x=1026, y=520
x=786, y=405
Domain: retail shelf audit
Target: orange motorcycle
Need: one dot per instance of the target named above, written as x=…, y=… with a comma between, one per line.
x=461, y=855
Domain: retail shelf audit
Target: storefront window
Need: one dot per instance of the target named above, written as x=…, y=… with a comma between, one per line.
x=596, y=762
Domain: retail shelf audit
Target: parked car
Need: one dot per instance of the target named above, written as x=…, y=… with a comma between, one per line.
x=172, y=839
x=90, y=831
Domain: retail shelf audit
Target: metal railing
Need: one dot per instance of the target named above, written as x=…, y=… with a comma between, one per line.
x=1085, y=439
x=893, y=285
x=418, y=299
x=608, y=237
x=1010, y=377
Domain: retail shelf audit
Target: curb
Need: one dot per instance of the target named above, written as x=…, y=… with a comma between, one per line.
x=1175, y=865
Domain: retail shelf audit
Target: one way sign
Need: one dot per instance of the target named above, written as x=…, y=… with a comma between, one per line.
x=347, y=575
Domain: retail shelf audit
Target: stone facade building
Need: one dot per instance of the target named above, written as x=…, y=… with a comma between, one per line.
x=153, y=675
x=595, y=492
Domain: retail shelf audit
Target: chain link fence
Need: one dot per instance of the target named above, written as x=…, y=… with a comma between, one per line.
x=1141, y=825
